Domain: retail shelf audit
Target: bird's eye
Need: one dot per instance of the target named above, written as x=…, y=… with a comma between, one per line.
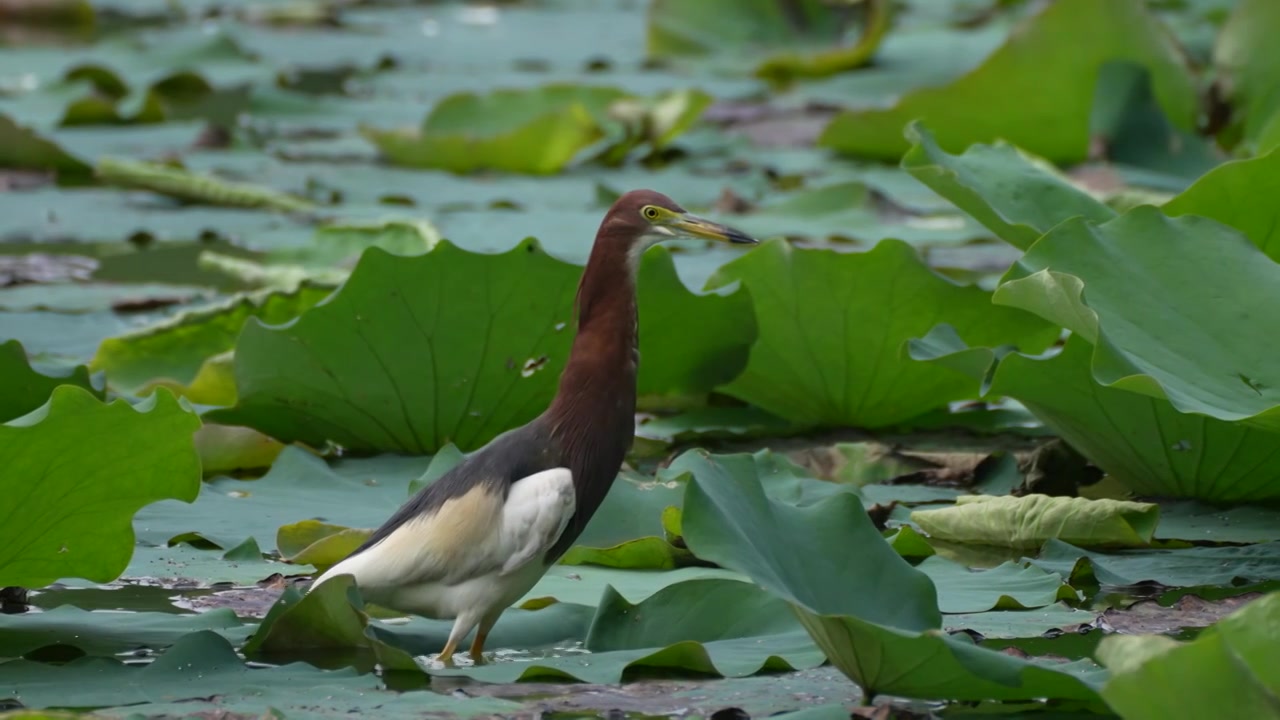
x=651, y=213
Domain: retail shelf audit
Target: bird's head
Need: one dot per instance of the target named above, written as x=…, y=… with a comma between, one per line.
x=641, y=218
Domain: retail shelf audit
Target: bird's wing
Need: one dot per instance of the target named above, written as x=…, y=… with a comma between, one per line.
x=537, y=511
x=459, y=539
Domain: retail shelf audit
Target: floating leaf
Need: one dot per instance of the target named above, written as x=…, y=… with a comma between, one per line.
x=832, y=326
x=366, y=369
x=76, y=471
x=1155, y=677
x=1184, y=567
x=1141, y=441
x=874, y=616
x=23, y=388
x=690, y=343
x=1016, y=196
x=109, y=634
x=1027, y=522
x=23, y=149
x=175, y=350
x=1220, y=194
x=718, y=627
x=1060, y=47
x=535, y=131
x=1245, y=62
x=1173, y=307
x=195, y=188
x=330, y=617
x=1007, y=586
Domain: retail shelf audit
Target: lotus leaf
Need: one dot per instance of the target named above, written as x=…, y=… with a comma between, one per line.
x=1017, y=197
x=331, y=617
x=202, y=665
x=1184, y=567
x=365, y=369
x=537, y=131
x=1222, y=194
x=24, y=388
x=832, y=327
x=874, y=616
x=1155, y=677
x=1007, y=586
x=719, y=627
x=108, y=634
x=175, y=350
x=76, y=470
x=1173, y=306
x=1027, y=522
x=1141, y=441
x=1245, y=62
x=1059, y=47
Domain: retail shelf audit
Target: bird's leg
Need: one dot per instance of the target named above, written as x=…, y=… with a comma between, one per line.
x=446, y=655
x=482, y=633
x=461, y=627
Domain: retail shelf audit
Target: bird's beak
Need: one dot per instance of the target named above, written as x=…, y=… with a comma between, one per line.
x=696, y=227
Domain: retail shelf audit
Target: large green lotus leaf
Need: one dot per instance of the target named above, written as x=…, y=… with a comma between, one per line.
x=1201, y=522
x=744, y=29
x=713, y=627
x=932, y=665
x=412, y=353
x=802, y=39
x=366, y=368
x=874, y=616
x=851, y=210
x=1155, y=677
x=109, y=634
x=699, y=605
x=1224, y=192
x=689, y=343
x=76, y=471
x=1063, y=47
x=332, y=617
x=554, y=627
x=202, y=665
x=299, y=486
x=729, y=519
x=1141, y=441
x=536, y=131
x=24, y=388
x=585, y=585
x=1172, y=305
x=199, y=664
x=1017, y=197
x=1183, y=567
x=1245, y=61
x=1006, y=586
x=23, y=149
x=1028, y=521
x=832, y=326
x=174, y=350
x=1018, y=623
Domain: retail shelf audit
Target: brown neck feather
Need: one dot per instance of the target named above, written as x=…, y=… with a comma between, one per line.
x=592, y=418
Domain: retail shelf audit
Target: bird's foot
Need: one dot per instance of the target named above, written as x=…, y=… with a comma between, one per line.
x=477, y=658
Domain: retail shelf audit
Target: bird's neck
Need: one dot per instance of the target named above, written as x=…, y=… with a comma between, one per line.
x=592, y=418
x=599, y=380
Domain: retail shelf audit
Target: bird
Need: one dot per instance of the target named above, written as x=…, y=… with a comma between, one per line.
x=481, y=536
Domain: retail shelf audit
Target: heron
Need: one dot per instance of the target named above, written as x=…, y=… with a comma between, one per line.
x=475, y=541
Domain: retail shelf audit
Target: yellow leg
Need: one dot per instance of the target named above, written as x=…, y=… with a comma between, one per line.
x=446, y=655
x=482, y=634
x=477, y=646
